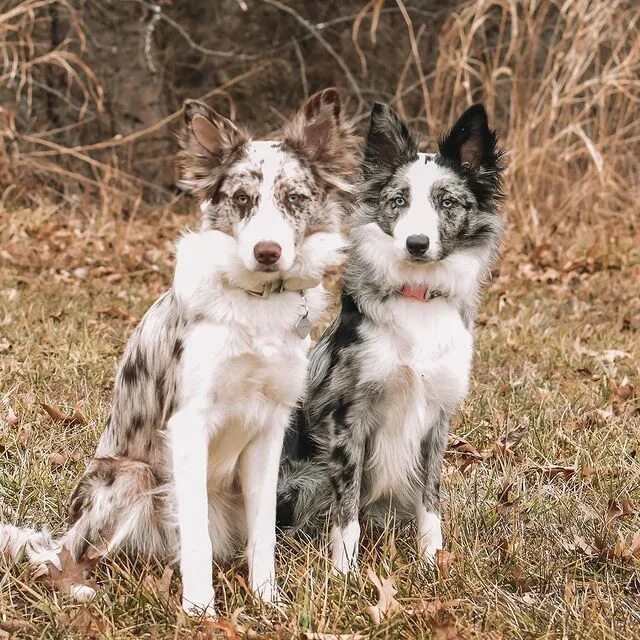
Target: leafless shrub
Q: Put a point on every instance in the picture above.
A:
(560, 79)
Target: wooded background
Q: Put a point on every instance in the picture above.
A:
(90, 89)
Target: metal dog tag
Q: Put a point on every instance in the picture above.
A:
(303, 326)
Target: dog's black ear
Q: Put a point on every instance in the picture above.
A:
(471, 144)
(320, 133)
(207, 140)
(390, 142)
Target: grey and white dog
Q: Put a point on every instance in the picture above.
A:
(386, 376)
(187, 465)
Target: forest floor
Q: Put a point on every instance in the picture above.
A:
(542, 477)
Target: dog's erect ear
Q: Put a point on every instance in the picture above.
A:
(472, 148)
(470, 144)
(321, 118)
(320, 133)
(209, 129)
(390, 142)
(207, 141)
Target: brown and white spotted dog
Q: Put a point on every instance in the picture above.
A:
(188, 460)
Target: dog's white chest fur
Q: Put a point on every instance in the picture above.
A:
(241, 372)
(420, 358)
(243, 360)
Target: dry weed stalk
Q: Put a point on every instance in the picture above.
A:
(24, 60)
(562, 82)
(560, 79)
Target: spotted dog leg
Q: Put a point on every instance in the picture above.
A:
(428, 523)
(345, 471)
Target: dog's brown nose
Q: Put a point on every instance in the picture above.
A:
(267, 253)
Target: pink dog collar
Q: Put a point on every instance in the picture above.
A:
(420, 292)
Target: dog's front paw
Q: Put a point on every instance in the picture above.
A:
(344, 567)
(344, 548)
(267, 591)
(198, 604)
(82, 592)
(429, 536)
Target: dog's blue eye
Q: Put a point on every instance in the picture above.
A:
(447, 203)
(399, 201)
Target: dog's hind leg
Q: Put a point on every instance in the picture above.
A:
(115, 505)
(429, 527)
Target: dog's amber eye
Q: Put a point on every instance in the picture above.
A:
(241, 198)
(293, 198)
(447, 203)
(399, 201)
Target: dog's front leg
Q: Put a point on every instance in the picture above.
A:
(429, 527)
(259, 464)
(345, 470)
(189, 450)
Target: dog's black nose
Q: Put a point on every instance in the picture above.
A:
(267, 253)
(417, 245)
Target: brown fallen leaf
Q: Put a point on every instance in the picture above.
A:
(507, 501)
(444, 562)
(71, 576)
(57, 415)
(623, 392)
(520, 580)
(507, 548)
(211, 627)
(581, 545)
(461, 446)
(387, 605)
(621, 550)
(441, 620)
(12, 419)
(24, 433)
(589, 474)
(506, 443)
(161, 586)
(619, 508)
(84, 622)
(14, 625)
(466, 454)
(58, 458)
(553, 470)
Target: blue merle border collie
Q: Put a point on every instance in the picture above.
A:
(386, 376)
(187, 465)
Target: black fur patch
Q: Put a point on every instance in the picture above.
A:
(136, 424)
(390, 143)
(178, 349)
(134, 368)
(347, 332)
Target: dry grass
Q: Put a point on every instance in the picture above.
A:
(543, 530)
(539, 551)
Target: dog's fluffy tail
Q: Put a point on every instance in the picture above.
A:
(17, 542)
(304, 495)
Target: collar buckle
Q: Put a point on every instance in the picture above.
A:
(275, 286)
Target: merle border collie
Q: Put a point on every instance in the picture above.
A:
(187, 465)
(386, 376)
